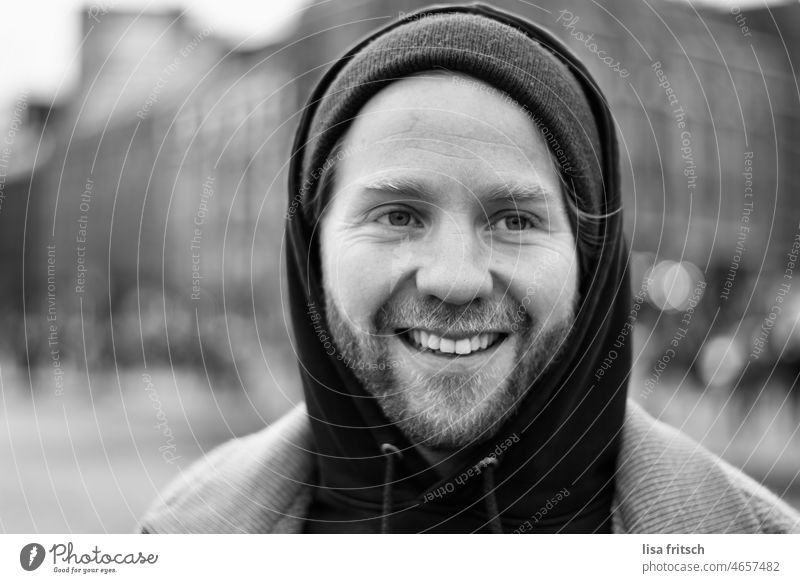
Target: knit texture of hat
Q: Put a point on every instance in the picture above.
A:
(485, 49)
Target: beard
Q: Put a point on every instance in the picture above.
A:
(448, 408)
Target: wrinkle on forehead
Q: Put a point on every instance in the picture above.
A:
(446, 125)
(415, 100)
(403, 135)
(469, 140)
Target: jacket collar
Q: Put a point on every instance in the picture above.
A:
(664, 483)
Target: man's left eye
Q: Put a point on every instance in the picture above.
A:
(513, 222)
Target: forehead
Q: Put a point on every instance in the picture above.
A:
(446, 128)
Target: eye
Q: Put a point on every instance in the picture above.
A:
(398, 218)
(513, 222)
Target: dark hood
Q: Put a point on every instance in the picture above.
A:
(556, 454)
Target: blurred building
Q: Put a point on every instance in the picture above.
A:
(161, 201)
(24, 149)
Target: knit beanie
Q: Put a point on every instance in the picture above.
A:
(497, 53)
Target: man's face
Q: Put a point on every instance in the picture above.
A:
(449, 265)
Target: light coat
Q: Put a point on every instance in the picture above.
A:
(665, 483)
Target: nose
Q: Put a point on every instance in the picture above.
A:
(454, 266)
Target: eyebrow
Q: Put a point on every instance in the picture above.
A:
(516, 193)
(407, 187)
(511, 192)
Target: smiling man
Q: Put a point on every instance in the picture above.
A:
(458, 275)
(442, 222)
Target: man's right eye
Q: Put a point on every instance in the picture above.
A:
(398, 218)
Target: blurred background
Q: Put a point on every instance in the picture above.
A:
(143, 151)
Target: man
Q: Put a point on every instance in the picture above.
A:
(458, 274)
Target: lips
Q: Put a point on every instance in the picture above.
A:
(462, 346)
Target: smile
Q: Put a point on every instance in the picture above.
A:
(448, 346)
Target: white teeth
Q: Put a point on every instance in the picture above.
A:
(461, 346)
(423, 338)
(447, 345)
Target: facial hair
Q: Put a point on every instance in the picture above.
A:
(448, 409)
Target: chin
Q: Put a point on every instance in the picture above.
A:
(446, 430)
(456, 404)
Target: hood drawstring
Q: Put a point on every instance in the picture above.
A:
(487, 465)
(391, 453)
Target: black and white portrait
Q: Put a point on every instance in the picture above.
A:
(383, 267)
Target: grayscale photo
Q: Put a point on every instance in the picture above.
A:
(361, 266)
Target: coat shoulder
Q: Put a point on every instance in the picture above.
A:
(667, 482)
(256, 483)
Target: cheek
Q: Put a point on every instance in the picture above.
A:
(356, 276)
(547, 288)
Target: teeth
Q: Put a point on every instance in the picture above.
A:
(462, 346)
(447, 345)
(423, 338)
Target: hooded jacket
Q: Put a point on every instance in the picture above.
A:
(557, 464)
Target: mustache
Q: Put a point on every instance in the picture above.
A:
(432, 314)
